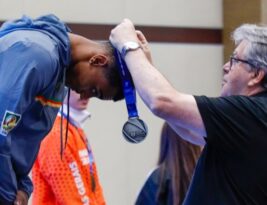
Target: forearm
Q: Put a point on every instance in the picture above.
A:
(149, 82)
(163, 100)
(157, 93)
(188, 135)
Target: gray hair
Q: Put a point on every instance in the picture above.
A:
(256, 50)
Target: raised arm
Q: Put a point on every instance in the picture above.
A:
(179, 109)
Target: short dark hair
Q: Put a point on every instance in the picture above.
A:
(112, 74)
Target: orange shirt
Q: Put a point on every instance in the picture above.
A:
(66, 181)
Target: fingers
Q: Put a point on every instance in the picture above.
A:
(122, 33)
(126, 26)
(141, 37)
(21, 198)
(144, 45)
(127, 21)
(142, 40)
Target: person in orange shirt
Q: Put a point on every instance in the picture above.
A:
(70, 179)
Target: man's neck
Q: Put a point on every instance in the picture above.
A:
(81, 47)
(254, 91)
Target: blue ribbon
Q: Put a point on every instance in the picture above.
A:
(128, 86)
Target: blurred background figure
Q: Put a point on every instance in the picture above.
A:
(168, 183)
(72, 180)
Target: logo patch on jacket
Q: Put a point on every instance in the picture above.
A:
(10, 121)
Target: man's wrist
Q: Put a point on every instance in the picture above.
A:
(129, 46)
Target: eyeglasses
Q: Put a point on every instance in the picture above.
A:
(234, 60)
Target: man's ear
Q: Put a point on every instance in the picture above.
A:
(257, 78)
(98, 60)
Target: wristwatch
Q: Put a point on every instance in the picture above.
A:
(129, 46)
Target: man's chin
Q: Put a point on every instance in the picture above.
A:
(223, 91)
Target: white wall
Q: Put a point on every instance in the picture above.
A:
(191, 68)
(204, 13)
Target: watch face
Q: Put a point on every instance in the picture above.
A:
(132, 45)
(129, 46)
